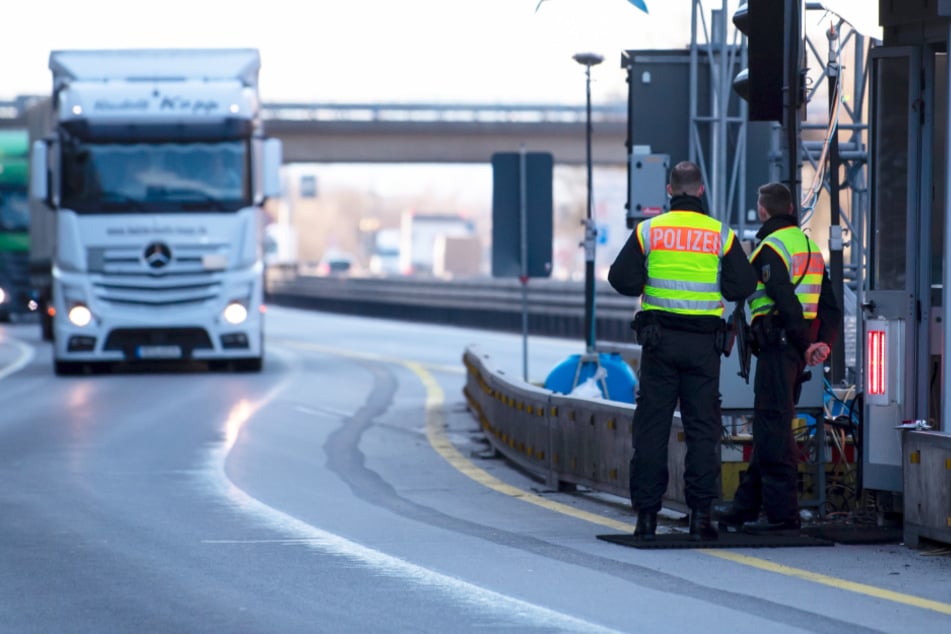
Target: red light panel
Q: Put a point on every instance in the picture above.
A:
(876, 362)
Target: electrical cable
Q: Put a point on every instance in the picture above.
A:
(811, 196)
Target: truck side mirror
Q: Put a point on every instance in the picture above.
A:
(39, 172)
(272, 158)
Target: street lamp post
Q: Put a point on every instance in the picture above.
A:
(592, 366)
(590, 230)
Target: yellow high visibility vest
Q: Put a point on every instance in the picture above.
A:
(683, 250)
(805, 265)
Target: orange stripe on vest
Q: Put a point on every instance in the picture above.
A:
(816, 265)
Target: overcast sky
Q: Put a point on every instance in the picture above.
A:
(487, 51)
(362, 50)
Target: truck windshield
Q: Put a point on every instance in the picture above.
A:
(138, 177)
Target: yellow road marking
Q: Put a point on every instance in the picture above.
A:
(841, 584)
(435, 433)
(435, 421)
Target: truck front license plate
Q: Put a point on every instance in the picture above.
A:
(160, 352)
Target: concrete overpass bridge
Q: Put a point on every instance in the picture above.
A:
(428, 132)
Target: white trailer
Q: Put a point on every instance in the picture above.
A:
(152, 173)
(419, 233)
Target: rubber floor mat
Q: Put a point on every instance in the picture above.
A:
(856, 534)
(727, 540)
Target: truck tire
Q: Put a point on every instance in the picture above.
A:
(251, 364)
(67, 368)
(46, 326)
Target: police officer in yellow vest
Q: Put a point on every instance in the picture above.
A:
(795, 320)
(682, 263)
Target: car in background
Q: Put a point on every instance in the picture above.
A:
(385, 259)
(335, 263)
(385, 262)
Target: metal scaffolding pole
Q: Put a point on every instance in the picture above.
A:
(715, 50)
(846, 175)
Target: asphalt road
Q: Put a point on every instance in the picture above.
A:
(346, 489)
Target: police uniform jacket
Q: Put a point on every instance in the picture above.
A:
(628, 275)
(774, 273)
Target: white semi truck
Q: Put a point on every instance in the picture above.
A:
(150, 178)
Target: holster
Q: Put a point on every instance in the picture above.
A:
(766, 334)
(647, 329)
(725, 338)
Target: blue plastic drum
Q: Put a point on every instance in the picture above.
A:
(620, 381)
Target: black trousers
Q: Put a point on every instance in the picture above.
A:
(682, 366)
(770, 483)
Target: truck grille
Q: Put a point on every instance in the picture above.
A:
(157, 291)
(122, 276)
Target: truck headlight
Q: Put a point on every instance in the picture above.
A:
(3, 296)
(235, 313)
(79, 315)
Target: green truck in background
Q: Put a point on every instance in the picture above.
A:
(15, 292)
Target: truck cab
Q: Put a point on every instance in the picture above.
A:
(154, 169)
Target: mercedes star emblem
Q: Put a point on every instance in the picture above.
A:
(158, 255)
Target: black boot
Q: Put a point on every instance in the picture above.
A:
(701, 526)
(646, 526)
(732, 516)
(789, 526)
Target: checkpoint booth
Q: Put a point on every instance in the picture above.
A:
(906, 444)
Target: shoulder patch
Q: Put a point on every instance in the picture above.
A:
(765, 273)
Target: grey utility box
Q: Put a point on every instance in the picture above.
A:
(647, 197)
(926, 466)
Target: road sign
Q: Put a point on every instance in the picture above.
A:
(522, 214)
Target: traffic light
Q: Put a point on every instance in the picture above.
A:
(761, 84)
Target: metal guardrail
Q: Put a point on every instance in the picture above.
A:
(554, 308)
(563, 439)
(570, 440)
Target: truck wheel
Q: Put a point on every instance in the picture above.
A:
(252, 364)
(46, 325)
(67, 368)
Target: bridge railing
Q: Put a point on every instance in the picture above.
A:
(15, 110)
(444, 112)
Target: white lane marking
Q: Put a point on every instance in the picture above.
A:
(370, 356)
(323, 411)
(462, 592)
(24, 356)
